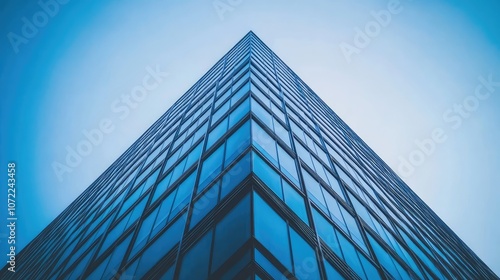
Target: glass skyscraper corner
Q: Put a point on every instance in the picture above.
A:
(249, 175)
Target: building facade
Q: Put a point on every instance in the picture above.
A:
(249, 175)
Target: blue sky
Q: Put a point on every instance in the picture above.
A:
(417, 73)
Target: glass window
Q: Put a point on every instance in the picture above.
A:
(345, 177)
(237, 142)
(351, 255)
(264, 142)
(163, 213)
(277, 111)
(304, 258)
(262, 114)
(146, 227)
(334, 210)
(162, 187)
(295, 201)
(136, 213)
(236, 267)
(353, 229)
(331, 272)
(314, 189)
(211, 167)
(258, 93)
(130, 200)
(183, 194)
(266, 221)
(239, 112)
(114, 234)
(205, 203)
(231, 232)
(282, 133)
(217, 132)
(270, 178)
(334, 184)
(117, 257)
(287, 165)
(195, 262)
(304, 154)
(172, 159)
(160, 247)
(222, 97)
(268, 266)
(98, 272)
(169, 274)
(387, 261)
(370, 270)
(193, 156)
(235, 175)
(237, 83)
(240, 93)
(220, 112)
(326, 231)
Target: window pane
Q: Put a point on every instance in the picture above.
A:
(282, 133)
(304, 258)
(146, 227)
(334, 184)
(264, 142)
(160, 247)
(136, 213)
(231, 232)
(217, 132)
(267, 266)
(239, 112)
(326, 231)
(117, 257)
(164, 211)
(237, 142)
(235, 175)
(194, 155)
(184, 192)
(370, 269)
(313, 187)
(258, 93)
(169, 275)
(195, 262)
(204, 204)
(387, 261)
(237, 267)
(267, 221)
(352, 226)
(351, 255)
(270, 178)
(242, 91)
(295, 201)
(304, 154)
(211, 167)
(262, 114)
(287, 165)
(333, 207)
(220, 112)
(331, 272)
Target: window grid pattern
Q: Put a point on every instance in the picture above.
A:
(252, 149)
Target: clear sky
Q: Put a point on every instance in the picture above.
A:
(417, 80)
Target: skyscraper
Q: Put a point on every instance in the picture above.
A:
(249, 175)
